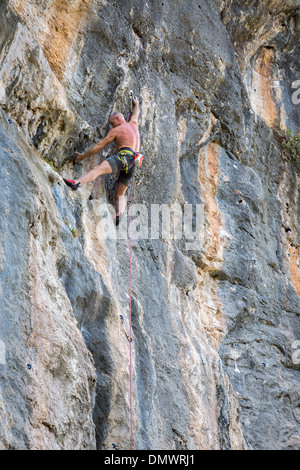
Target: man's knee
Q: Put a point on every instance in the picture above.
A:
(121, 189)
(103, 168)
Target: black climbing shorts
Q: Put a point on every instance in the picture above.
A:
(123, 162)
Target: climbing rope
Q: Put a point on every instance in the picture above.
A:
(130, 303)
(130, 329)
(139, 158)
(129, 336)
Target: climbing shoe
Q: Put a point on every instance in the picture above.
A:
(117, 219)
(72, 184)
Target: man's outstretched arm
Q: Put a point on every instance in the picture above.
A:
(97, 148)
(136, 112)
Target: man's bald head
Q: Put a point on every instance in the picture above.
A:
(116, 119)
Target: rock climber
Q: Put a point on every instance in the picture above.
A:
(127, 137)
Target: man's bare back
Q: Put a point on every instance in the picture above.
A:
(127, 135)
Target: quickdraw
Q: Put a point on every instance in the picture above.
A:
(131, 106)
(138, 157)
(124, 161)
(129, 338)
(138, 179)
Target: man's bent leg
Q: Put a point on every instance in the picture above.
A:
(120, 197)
(102, 169)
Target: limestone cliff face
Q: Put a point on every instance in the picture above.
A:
(214, 328)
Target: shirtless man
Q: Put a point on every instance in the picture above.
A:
(127, 137)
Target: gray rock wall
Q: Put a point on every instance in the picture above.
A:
(214, 327)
